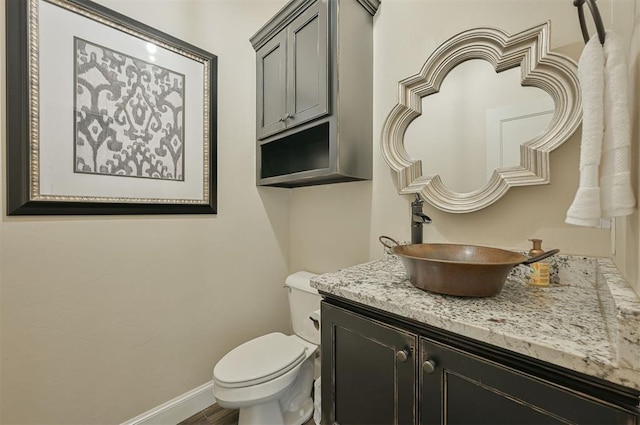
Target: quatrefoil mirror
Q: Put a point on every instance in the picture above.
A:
(549, 98)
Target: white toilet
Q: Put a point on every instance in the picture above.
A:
(270, 377)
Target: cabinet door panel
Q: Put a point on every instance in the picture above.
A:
(271, 86)
(359, 383)
(466, 389)
(484, 405)
(363, 379)
(307, 95)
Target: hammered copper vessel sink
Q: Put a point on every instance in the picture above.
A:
(461, 270)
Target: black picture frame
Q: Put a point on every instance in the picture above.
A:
(25, 114)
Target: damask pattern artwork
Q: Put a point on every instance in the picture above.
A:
(129, 115)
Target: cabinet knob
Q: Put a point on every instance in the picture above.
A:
(402, 355)
(287, 116)
(280, 119)
(429, 366)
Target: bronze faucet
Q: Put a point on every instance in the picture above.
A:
(418, 218)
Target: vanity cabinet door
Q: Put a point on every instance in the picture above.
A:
(460, 388)
(368, 370)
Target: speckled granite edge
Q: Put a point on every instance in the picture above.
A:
(587, 320)
(626, 311)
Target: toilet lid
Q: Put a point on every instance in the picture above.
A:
(259, 360)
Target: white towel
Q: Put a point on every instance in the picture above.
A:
(605, 179)
(585, 209)
(616, 195)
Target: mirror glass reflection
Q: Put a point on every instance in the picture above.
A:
(476, 124)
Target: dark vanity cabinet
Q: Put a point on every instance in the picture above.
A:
(314, 93)
(460, 388)
(371, 367)
(379, 369)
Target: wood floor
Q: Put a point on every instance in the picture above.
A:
(216, 415)
(213, 414)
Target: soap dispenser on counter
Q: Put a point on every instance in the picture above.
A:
(539, 271)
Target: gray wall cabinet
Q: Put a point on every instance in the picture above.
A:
(292, 74)
(379, 369)
(314, 93)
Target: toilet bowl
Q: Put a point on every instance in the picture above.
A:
(269, 378)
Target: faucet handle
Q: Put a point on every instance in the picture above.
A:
(416, 210)
(422, 218)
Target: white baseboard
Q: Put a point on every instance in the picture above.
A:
(178, 409)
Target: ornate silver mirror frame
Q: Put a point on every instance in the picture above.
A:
(554, 73)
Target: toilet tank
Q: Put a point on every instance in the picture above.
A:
(303, 301)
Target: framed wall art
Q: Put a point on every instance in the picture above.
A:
(106, 115)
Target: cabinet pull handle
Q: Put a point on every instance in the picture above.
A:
(402, 355)
(280, 119)
(287, 116)
(429, 366)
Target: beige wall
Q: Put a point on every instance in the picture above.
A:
(104, 318)
(627, 254)
(405, 33)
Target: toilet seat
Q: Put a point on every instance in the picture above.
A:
(259, 360)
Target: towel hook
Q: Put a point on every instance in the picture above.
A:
(597, 19)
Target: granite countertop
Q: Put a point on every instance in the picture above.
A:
(587, 320)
